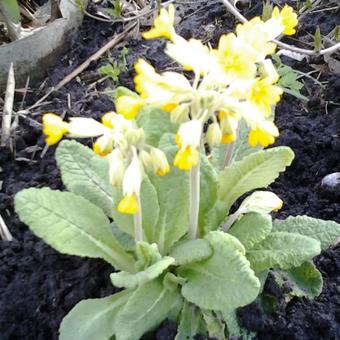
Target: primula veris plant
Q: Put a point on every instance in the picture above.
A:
(154, 198)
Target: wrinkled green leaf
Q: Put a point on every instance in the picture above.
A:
(86, 174)
(124, 239)
(147, 254)
(173, 197)
(214, 217)
(233, 327)
(251, 228)
(282, 250)
(304, 280)
(146, 308)
(155, 123)
(327, 232)
(93, 318)
(191, 323)
(129, 280)
(71, 224)
(254, 171)
(227, 273)
(189, 251)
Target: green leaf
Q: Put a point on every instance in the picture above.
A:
(86, 174)
(10, 9)
(251, 228)
(71, 224)
(254, 171)
(173, 198)
(129, 280)
(327, 232)
(227, 273)
(93, 318)
(124, 91)
(214, 217)
(189, 251)
(283, 250)
(191, 323)
(150, 211)
(214, 323)
(155, 123)
(147, 254)
(147, 307)
(304, 280)
(124, 239)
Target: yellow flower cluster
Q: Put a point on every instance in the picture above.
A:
(122, 143)
(232, 82)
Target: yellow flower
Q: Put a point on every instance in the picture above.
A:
(229, 124)
(128, 204)
(103, 145)
(287, 17)
(160, 163)
(186, 158)
(128, 106)
(255, 34)
(107, 119)
(169, 107)
(54, 128)
(264, 94)
(235, 57)
(132, 181)
(263, 134)
(192, 55)
(163, 25)
(228, 138)
(188, 139)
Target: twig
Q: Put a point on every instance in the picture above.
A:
(241, 18)
(4, 232)
(8, 107)
(117, 39)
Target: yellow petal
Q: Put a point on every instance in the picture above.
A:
(54, 128)
(129, 106)
(288, 19)
(186, 158)
(128, 204)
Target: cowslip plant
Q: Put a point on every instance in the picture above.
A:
(154, 198)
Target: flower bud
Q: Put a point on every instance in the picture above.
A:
(145, 158)
(103, 145)
(213, 135)
(116, 167)
(159, 161)
(180, 114)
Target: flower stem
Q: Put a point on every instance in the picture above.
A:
(228, 154)
(194, 200)
(137, 221)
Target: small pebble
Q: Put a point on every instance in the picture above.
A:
(330, 185)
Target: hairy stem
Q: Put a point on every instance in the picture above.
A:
(137, 221)
(228, 154)
(194, 200)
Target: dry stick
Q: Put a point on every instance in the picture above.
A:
(328, 50)
(117, 39)
(8, 107)
(4, 232)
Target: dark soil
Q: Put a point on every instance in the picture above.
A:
(39, 286)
